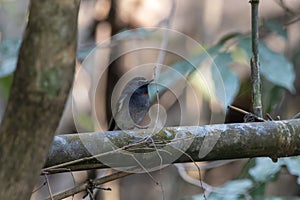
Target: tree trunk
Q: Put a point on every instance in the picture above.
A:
(40, 89)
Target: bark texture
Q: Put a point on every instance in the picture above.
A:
(272, 139)
(40, 89)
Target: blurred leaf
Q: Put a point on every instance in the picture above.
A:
(273, 66)
(9, 49)
(5, 85)
(258, 192)
(293, 166)
(199, 82)
(133, 34)
(83, 52)
(195, 197)
(179, 70)
(239, 56)
(277, 28)
(265, 170)
(283, 198)
(274, 97)
(85, 122)
(8, 66)
(232, 190)
(245, 171)
(227, 37)
(296, 56)
(225, 81)
(277, 69)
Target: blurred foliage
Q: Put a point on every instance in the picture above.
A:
(232, 48)
(8, 56)
(276, 69)
(277, 28)
(85, 122)
(230, 81)
(273, 66)
(5, 85)
(263, 172)
(8, 60)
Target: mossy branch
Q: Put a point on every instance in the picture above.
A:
(202, 143)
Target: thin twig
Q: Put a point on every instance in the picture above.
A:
(285, 7)
(209, 165)
(292, 21)
(186, 177)
(198, 169)
(144, 169)
(39, 187)
(255, 76)
(246, 113)
(162, 53)
(156, 149)
(289, 11)
(48, 185)
(164, 44)
(83, 187)
(269, 117)
(296, 116)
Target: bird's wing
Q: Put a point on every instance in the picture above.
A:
(112, 123)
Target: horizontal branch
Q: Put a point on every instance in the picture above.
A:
(118, 149)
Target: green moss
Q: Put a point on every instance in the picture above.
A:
(188, 133)
(121, 139)
(165, 134)
(50, 81)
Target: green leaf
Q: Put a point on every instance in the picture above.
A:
(179, 70)
(239, 56)
(277, 28)
(273, 66)
(85, 122)
(8, 66)
(258, 192)
(283, 198)
(265, 170)
(133, 34)
(276, 68)
(225, 81)
(293, 166)
(83, 52)
(9, 49)
(5, 85)
(124, 35)
(274, 97)
(232, 190)
(227, 37)
(195, 197)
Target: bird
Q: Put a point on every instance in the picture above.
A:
(132, 105)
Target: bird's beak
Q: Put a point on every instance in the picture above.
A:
(150, 81)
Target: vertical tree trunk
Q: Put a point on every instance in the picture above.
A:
(40, 88)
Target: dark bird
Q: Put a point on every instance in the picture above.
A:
(132, 106)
